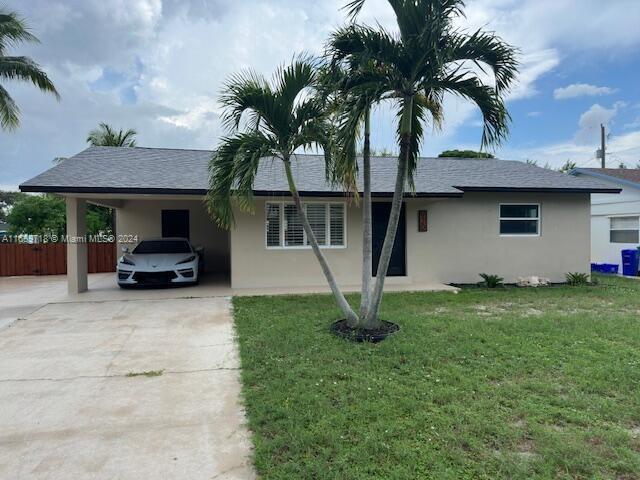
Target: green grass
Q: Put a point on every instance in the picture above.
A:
(500, 383)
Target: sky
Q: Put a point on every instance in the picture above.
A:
(158, 66)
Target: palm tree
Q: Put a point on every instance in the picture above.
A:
(13, 31)
(280, 117)
(107, 136)
(414, 69)
(343, 166)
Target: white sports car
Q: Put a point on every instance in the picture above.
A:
(162, 261)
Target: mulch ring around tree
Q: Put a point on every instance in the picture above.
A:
(342, 329)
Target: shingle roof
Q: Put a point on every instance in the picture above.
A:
(160, 170)
(629, 174)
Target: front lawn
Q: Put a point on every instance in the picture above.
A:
(505, 383)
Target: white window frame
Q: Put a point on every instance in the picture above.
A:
(538, 219)
(610, 217)
(281, 205)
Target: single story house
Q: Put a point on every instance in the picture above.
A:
(464, 217)
(615, 218)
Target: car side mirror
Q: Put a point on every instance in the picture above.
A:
(125, 249)
(198, 248)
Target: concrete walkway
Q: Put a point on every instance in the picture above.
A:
(21, 295)
(70, 407)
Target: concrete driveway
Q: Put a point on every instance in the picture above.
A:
(75, 403)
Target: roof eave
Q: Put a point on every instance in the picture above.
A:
(286, 193)
(604, 176)
(541, 189)
(181, 191)
(111, 190)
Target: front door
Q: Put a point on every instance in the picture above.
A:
(380, 212)
(175, 223)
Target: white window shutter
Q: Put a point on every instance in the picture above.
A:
(273, 225)
(336, 224)
(293, 231)
(317, 216)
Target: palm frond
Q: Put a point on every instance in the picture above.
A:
(23, 68)
(353, 8)
(294, 78)
(492, 106)
(344, 169)
(485, 48)
(13, 30)
(359, 44)
(9, 111)
(418, 115)
(245, 91)
(106, 136)
(126, 139)
(232, 170)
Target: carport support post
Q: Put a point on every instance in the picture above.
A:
(76, 245)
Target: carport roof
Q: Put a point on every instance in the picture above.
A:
(137, 170)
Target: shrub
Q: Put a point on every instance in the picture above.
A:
(576, 278)
(491, 281)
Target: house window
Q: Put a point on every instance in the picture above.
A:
(624, 229)
(519, 219)
(284, 225)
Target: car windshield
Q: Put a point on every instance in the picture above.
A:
(162, 246)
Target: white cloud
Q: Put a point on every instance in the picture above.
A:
(175, 54)
(590, 121)
(581, 90)
(582, 147)
(620, 149)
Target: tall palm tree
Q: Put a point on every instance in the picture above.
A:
(14, 31)
(269, 119)
(342, 166)
(414, 69)
(107, 136)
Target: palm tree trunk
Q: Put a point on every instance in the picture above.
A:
(344, 306)
(371, 321)
(367, 248)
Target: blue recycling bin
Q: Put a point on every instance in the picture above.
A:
(630, 262)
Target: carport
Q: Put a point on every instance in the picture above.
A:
(147, 216)
(155, 193)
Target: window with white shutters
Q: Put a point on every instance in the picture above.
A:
(284, 225)
(336, 224)
(273, 225)
(293, 231)
(317, 215)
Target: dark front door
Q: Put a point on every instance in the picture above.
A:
(397, 265)
(175, 223)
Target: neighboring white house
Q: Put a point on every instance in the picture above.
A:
(615, 218)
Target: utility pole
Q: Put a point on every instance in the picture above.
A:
(602, 144)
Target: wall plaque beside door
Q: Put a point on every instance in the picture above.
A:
(422, 221)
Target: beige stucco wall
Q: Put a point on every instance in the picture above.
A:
(253, 265)
(143, 218)
(463, 240)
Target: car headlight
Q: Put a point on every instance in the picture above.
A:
(187, 260)
(127, 261)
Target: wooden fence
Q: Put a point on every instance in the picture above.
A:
(51, 258)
